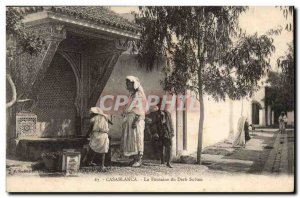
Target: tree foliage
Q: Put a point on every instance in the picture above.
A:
(28, 42)
(288, 13)
(233, 62)
(281, 93)
(19, 40)
(206, 50)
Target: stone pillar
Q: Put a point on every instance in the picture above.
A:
(273, 121)
(250, 113)
(262, 118)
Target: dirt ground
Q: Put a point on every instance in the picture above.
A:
(220, 158)
(266, 159)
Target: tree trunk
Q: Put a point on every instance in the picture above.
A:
(14, 91)
(201, 35)
(200, 130)
(201, 119)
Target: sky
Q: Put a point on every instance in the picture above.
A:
(255, 19)
(262, 19)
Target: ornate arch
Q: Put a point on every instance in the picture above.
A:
(76, 72)
(258, 103)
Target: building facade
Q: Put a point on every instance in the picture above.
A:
(66, 78)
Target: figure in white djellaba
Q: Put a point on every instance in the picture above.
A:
(282, 120)
(132, 141)
(242, 134)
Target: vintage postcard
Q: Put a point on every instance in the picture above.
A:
(150, 99)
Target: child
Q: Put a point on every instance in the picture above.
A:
(162, 133)
(98, 132)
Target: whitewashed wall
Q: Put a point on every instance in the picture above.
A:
(128, 65)
(290, 118)
(220, 117)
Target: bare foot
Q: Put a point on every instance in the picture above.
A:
(169, 165)
(137, 164)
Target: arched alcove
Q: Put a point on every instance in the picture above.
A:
(56, 96)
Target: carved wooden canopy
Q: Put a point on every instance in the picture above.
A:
(57, 28)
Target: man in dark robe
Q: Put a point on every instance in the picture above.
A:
(246, 129)
(161, 128)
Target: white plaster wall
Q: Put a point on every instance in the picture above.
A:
(259, 96)
(217, 122)
(128, 65)
(290, 118)
(241, 108)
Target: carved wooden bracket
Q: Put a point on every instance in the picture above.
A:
(122, 44)
(53, 34)
(115, 49)
(102, 80)
(50, 31)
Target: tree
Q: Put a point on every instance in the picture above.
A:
(206, 50)
(20, 40)
(287, 64)
(288, 13)
(281, 94)
(275, 93)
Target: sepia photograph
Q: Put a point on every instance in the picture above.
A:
(150, 99)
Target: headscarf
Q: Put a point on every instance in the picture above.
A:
(140, 93)
(136, 84)
(97, 110)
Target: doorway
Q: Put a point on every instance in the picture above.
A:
(255, 112)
